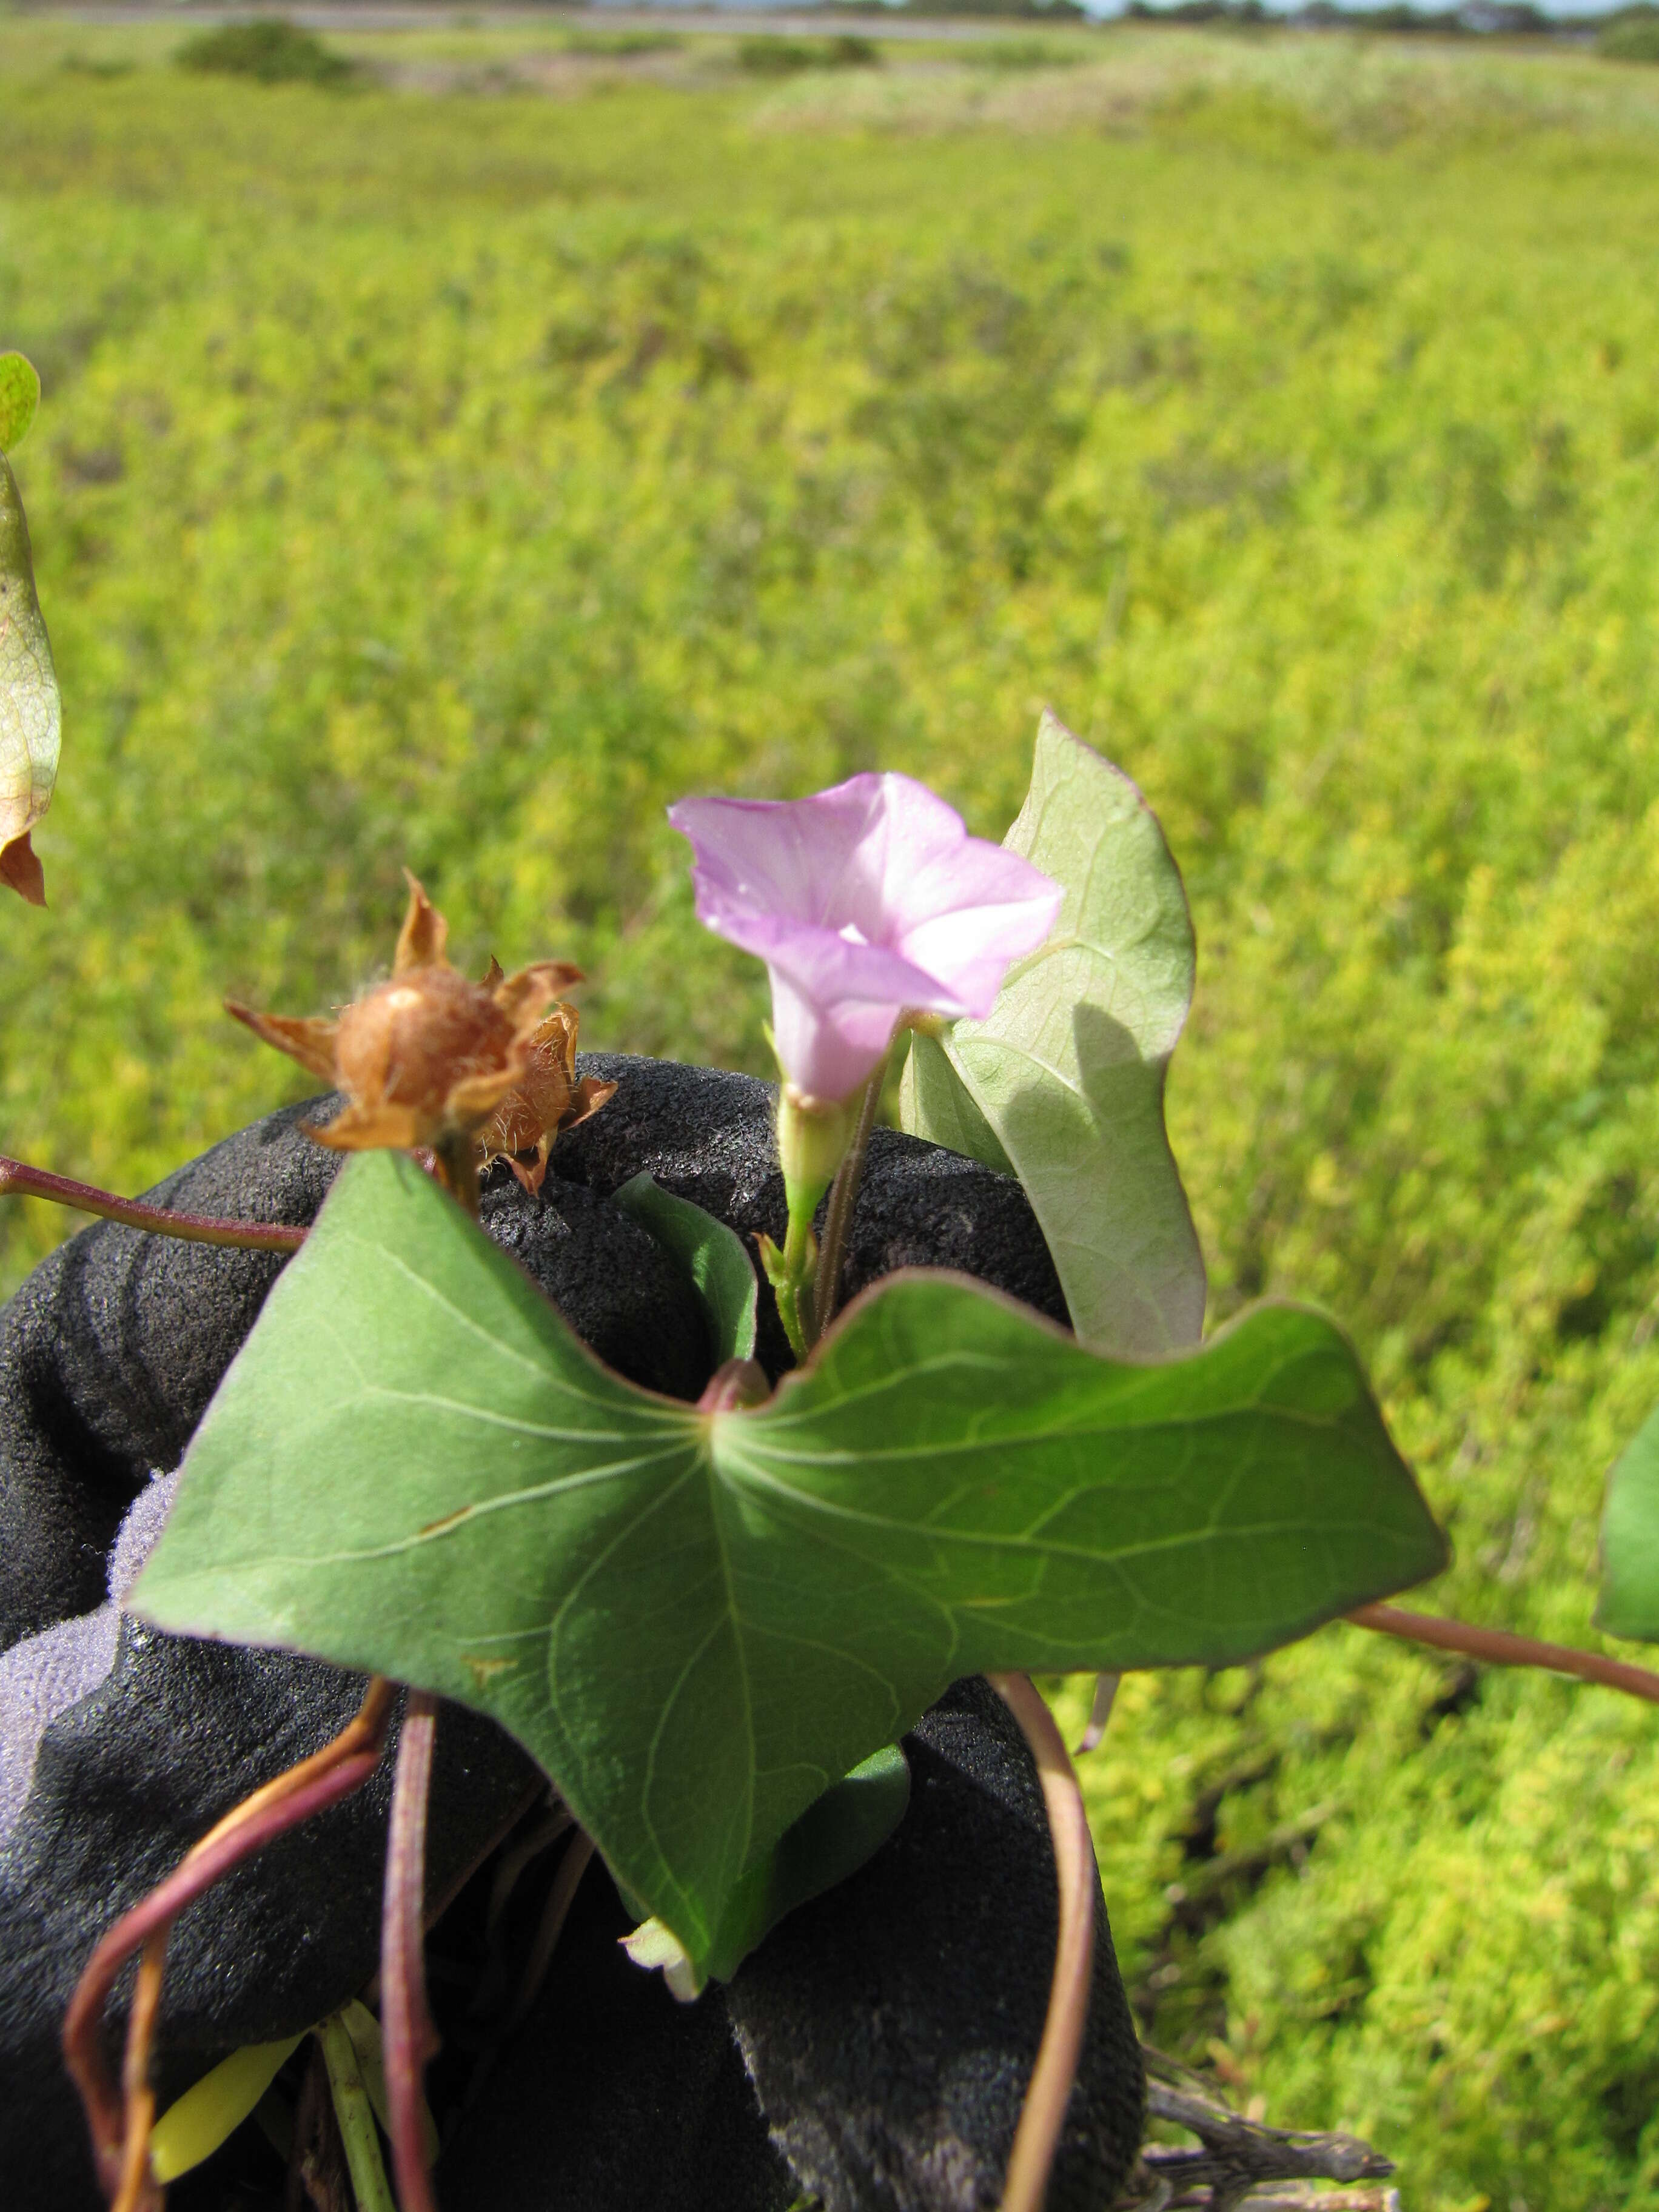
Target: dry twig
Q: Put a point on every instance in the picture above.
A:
(1237, 2160)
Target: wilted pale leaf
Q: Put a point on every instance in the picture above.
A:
(1630, 1540)
(28, 702)
(1064, 1080)
(711, 1256)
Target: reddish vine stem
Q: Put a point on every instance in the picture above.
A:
(406, 2029)
(1497, 1647)
(407, 2035)
(1049, 2090)
(514, 1861)
(560, 1899)
(193, 1228)
(139, 2192)
(121, 2126)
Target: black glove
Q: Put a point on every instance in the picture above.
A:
(890, 2028)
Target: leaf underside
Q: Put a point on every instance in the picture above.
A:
(1063, 1083)
(709, 1255)
(1630, 1540)
(832, 1838)
(698, 1623)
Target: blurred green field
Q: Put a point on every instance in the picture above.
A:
(454, 469)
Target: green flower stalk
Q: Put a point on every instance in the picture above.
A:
(812, 1141)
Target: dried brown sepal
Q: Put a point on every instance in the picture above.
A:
(427, 1058)
(20, 869)
(524, 996)
(309, 1040)
(421, 939)
(368, 1129)
(585, 1100)
(546, 1099)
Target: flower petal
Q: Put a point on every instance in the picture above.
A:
(823, 965)
(828, 1051)
(967, 922)
(799, 858)
(862, 900)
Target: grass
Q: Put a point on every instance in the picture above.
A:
(456, 479)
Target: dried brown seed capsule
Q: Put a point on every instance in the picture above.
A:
(428, 1059)
(546, 1099)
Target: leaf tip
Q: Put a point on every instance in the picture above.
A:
(20, 869)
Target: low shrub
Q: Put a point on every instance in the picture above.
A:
(274, 51)
(1022, 54)
(767, 56)
(1632, 38)
(86, 65)
(622, 45)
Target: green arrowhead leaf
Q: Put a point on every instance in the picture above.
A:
(709, 1254)
(1630, 1540)
(20, 395)
(29, 714)
(697, 1622)
(936, 1103)
(1064, 1081)
(833, 1838)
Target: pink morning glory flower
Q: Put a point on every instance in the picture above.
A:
(862, 900)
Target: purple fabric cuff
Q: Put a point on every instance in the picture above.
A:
(44, 1674)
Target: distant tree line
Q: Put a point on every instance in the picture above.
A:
(1475, 19)
(1627, 33)
(1046, 11)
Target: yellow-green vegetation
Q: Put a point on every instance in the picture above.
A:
(454, 479)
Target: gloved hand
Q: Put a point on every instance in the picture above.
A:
(889, 2027)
